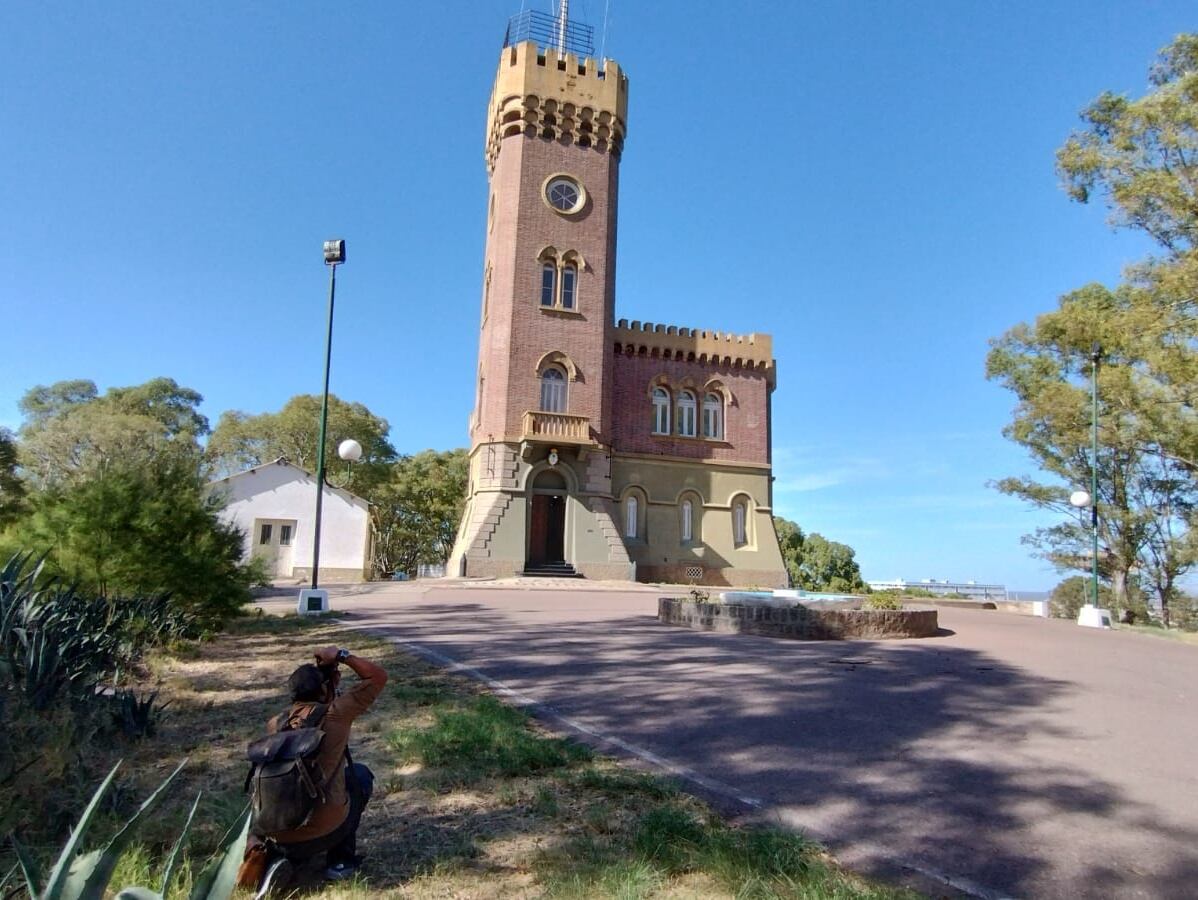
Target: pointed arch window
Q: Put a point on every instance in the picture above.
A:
(553, 390)
(661, 411)
(686, 414)
(569, 285)
(548, 284)
(560, 270)
(713, 417)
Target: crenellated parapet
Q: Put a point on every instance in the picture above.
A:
(559, 96)
(745, 351)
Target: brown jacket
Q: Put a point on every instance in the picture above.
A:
(338, 720)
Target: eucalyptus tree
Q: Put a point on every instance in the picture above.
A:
(1140, 157)
(242, 440)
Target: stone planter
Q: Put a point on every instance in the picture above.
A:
(798, 622)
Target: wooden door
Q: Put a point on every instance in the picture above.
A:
(538, 531)
(555, 530)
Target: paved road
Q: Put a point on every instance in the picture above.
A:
(1012, 757)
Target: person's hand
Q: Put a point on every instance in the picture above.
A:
(326, 656)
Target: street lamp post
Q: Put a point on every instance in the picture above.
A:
(1090, 614)
(314, 600)
(1095, 355)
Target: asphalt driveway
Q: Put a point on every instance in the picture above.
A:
(1011, 757)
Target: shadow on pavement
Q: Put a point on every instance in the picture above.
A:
(930, 752)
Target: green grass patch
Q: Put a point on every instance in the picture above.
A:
(674, 839)
(422, 692)
(625, 784)
(484, 738)
(259, 622)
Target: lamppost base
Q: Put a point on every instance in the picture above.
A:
(313, 602)
(1093, 617)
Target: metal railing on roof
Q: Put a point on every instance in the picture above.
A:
(546, 31)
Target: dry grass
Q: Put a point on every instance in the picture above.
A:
(1171, 634)
(472, 800)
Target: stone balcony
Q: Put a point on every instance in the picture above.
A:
(557, 428)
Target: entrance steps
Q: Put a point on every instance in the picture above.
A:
(551, 570)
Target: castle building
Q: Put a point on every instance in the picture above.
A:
(613, 449)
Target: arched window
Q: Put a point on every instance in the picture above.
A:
(553, 390)
(559, 278)
(661, 411)
(739, 523)
(548, 284)
(686, 414)
(713, 417)
(486, 292)
(630, 516)
(569, 283)
(688, 522)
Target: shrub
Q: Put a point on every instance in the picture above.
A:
(1068, 597)
(76, 876)
(55, 641)
(141, 531)
(883, 600)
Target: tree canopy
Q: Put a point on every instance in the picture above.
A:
(71, 431)
(1141, 157)
(12, 489)
(241, 441)
(417, 510)
(815, 563)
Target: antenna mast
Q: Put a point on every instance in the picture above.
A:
(563, 16)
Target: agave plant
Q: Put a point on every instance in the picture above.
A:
(86, 876)
(136, 716)
(54, 638)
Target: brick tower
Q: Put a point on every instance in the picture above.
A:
(570, 470)
(542, 417)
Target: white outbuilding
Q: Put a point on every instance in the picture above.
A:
(274, 505)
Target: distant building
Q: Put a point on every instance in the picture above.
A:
(274, 505)
(970, 589)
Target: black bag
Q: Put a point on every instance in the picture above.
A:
(285, 782)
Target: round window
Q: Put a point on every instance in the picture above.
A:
(564, 194)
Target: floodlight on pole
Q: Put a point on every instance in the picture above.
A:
(334, 255)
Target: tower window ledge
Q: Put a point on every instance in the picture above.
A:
(690, 439)
(558, 311)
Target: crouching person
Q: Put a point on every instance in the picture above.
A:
(306, 791)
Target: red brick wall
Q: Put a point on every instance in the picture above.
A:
(517, 333)
(746, 432)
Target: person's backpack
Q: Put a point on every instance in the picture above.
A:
(285, 783)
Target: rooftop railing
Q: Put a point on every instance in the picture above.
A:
(546, 31)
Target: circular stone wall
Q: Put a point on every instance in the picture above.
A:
(798, 622)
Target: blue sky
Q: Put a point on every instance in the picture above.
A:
(872, 183)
